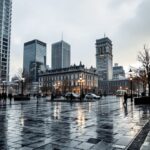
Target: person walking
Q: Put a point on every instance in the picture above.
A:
(4, 97)
(0, 97)
(125, 98)
(52, 96)
(71, 97)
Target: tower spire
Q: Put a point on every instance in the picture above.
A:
(104, 35)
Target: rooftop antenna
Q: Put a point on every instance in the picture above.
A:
(104, 35)
(62, 36)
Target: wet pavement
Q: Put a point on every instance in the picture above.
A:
(146, 144)
(99, 125)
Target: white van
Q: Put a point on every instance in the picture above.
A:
(121, 92)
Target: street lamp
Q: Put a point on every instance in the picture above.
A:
(22, 80)
(131, 84)
(4, 86)
(81, 86)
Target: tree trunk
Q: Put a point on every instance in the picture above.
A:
(149, 89)
(149, 84)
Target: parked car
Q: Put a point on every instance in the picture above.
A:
(92, 96)
(74, 95)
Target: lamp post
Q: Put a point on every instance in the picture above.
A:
(131, 84)
(4, 90)
(81, 86)
(22, 80)
(59, 88)
(3, 87)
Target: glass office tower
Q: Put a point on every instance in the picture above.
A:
(60, 55)
(5, 33)
(34, 59)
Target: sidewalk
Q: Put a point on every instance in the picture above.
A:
(146, 144)
(100, 125)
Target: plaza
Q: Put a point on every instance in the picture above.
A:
(99, 125)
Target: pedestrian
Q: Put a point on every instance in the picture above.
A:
(10, 97)
(105, 94)
(4, 97)
(71, 97)
(125, 98)
(52, 96)
(0, 96)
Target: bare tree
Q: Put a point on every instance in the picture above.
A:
(27, 79)
(144, 58)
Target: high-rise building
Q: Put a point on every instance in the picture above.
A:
(104, 58)
(60, 55)
(118, 72)
(5, 33)
(34, 59)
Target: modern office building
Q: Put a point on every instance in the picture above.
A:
(5, 34)
(74, 78)
(118, 72)
(104, 58)
(34, 59)
(60, 55)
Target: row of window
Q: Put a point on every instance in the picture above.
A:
(120, 83)
(70, 83)
(68, 77)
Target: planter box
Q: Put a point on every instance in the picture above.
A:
(21, 98)
(142, 100)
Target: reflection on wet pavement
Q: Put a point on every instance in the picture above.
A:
(99, 125)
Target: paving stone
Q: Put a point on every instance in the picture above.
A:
(85, 146)
(99, 125)
(93, 141)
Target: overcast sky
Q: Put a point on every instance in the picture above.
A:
(125, 22)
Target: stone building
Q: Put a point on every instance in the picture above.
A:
(118, 72)
(74, 79)
(104, 58)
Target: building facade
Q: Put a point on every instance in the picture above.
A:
(34, 59)
(72, 79)
(118, 72)
(5, 34)
(104, 58)
(60, 55)
(110, 87)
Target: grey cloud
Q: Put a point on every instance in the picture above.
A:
(81, 21)
(133, 34)
(118, 3)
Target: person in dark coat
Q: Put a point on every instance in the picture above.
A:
(0, 97)
(4, 95)
(52, 96)
(71, 97)
(125, 98)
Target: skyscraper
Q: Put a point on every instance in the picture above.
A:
(5, 33)
(34, 59)
(60, 55)
(104, 58)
